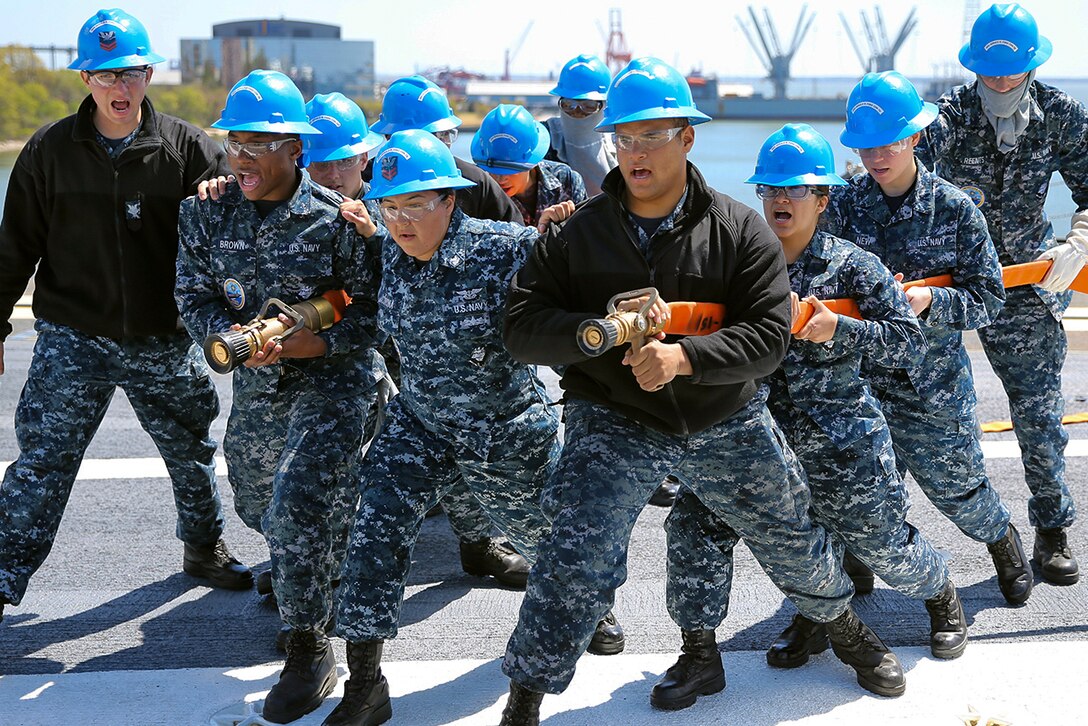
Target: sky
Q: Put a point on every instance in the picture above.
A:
(412, 35)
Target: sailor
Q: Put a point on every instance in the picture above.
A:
(510, 146)
(296, 424)
(581, 89)
(467, 411)
(690, 406)
(1000, 138)
(823, 405)
(920, 226)
(92, 206)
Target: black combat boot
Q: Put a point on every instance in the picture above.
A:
(947, 626)
(522, 708)
(1014, 575)
(858, 646)
(264, 584)
(366, 694)
(495, 557)
(859, 573)
(308, 676)
(697, 672)
(665, 494)
(802, 638)
(216, 564)
(1055, 559)
(608, 637)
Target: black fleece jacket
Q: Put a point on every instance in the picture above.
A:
(719, 251)
(101, 233)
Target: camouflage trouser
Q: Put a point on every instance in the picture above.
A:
(1026, 347)
(292, 456)
(743, 482)
(859, 496)
(406, 471)
(944, 454)
(68, 388)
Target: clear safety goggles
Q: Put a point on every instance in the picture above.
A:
(338, 165)
(447, 137)
(254, 149)
(411, 212)
(580, 107)
(894, 149)
(649, 141)
(128, 76)
(766, 191)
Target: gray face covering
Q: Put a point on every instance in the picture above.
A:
(1009, 112)
(588, 152)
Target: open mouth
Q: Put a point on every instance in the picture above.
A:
(120, 106)
(248, 181)
(639, 173)
(781, 215)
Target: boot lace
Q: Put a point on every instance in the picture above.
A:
(1004, 554)
(301, 648)
(1057, 541)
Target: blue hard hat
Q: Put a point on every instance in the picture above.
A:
(414, 102)
(509, 141)
(113, 39)
(584, 77)
(647, 89)
(265, 101)
(795, 155)
(414, 161)
(1005, 41)
(343, 127)
(882, 109)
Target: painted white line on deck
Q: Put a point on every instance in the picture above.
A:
(1009, 681)
(154, 468)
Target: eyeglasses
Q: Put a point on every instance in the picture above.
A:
(1014, 79)
(447, 137)
(648, 141)
(580, 107)
(411, 212)
(254, 149)
(766, 191)
(340, 165)
(893, 149)
(129, 76)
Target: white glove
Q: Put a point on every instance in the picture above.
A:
(1069, 257)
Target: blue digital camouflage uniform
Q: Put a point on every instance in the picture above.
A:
(69, 385)
(930, 407)
(1026, 344)
(295, 429)
(741, 480)
(834, 425)
(465, 409)
(556, 183)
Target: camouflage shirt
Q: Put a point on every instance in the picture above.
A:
(230, 262)
(937, 231)
(823, 380)
(556, 182)
(447, 318)
(1011, 188)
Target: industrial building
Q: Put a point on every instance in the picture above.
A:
(312, 54)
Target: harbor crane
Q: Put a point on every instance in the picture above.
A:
(769, 50)
(510, 53)
(882, 51)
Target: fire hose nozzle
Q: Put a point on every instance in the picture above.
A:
(597, 335)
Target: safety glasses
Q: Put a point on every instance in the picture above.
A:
(766, 191)
(339, 165)
(893, 149)
(410, 212)
(580, 108)
(128, 76)
(648, 141)
(254, 149)
(446, 137)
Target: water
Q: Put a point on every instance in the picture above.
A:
(725, 153)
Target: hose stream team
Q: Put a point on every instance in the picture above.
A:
(144, 238)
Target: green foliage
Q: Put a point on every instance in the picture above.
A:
(32, 95)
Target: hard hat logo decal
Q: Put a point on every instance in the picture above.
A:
(791, 144)
(390, 162)
(331, 119)
(581, 64)
(110, 21)
(236, 296)
(423, 95)
(512, 139)
(634, 72)
(251, 89)
(867, 104)
(107, 40)
(1007, 43)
